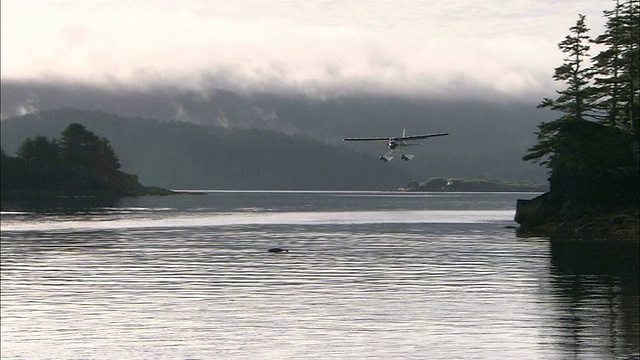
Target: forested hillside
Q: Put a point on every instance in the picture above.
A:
(487, 137)
(179, 155)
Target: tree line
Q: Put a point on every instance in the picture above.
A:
(182, 155)
(80, 163)
(591, 150)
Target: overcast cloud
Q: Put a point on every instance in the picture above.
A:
(431, 47)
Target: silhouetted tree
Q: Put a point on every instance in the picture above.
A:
(80, 163)
(590, 162)
(40, 156)
(576, 100)
(78, 146)
(12, 172)
(573, 101)
(616, 68)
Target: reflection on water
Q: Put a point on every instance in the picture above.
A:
(368, 275)
(60, 205)
(597, 288)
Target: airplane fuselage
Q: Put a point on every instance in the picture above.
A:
(395, 144)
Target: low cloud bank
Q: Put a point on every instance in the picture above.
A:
(486, 49)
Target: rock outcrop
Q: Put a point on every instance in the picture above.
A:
(545, 215)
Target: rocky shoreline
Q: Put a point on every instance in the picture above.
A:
(547, 217)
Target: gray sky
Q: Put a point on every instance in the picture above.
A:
(443, 48)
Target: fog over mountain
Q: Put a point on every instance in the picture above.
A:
(438, 49)
(322, 69)
(487, 138)
(180, 155)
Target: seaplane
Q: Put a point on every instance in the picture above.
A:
(396, 144)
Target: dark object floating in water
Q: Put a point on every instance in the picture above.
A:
(278, 250)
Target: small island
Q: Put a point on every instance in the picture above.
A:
(473, 185)
(79, 165)
(592, 149)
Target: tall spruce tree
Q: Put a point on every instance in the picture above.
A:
(575, 102)
(90, 158)
(592, 162)
(617, 67)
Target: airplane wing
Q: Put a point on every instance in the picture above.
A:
(367, 139)
(417, 137)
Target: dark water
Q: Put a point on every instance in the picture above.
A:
(368, 276)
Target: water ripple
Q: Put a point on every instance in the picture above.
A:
(352, 286)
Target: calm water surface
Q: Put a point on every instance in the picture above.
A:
(368, 276)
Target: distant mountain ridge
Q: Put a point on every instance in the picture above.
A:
(179, 155)
(487, 138)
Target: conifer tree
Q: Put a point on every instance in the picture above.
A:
(617, 67)
(77, 146)
(592, 162)
(576, 101)
(90, 158)
(40, 157)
